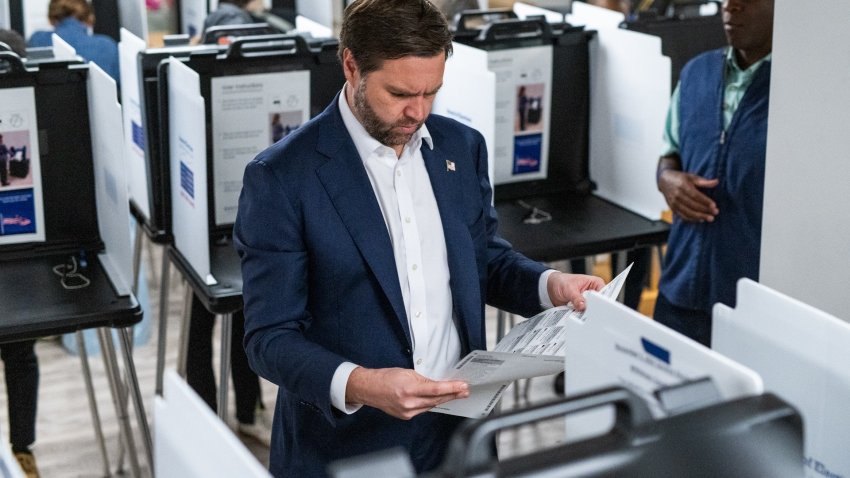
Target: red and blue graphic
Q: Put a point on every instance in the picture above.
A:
(17, 212)
(527, 153)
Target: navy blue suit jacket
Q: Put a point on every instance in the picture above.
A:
(321, 286)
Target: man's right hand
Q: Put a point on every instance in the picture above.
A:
(400, 392)
(682, 192)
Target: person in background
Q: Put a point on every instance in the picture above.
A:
(712, 171)
(369, 248)
(233, 12)
(19, 360)
(72, 20)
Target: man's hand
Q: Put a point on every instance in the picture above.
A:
(400, 392)
(565, 288)
(682, 192)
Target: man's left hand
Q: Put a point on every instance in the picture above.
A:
(568, 288)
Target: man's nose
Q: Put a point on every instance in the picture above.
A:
(417, 108)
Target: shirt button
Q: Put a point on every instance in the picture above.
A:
(407, 219)
(415, 267)
(398, 173)
(419, 362)
(419, 314)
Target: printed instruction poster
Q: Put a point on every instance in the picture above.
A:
(523, 102)
(249, 114)
(21, 203)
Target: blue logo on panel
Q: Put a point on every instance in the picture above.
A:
(655, 350)
(187, 180)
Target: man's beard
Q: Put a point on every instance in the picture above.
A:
(377, 128)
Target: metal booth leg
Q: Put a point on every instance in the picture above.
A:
(226, 339)
(118, 396)
(184, 330)
(163, 320)
(95, 416)
(135, 392)
(137, 256)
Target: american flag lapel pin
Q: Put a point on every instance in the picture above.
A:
(450, 165)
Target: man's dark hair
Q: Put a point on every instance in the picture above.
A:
(378, 30)
(14, 41)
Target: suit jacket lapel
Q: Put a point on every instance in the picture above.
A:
(348, 187)
(466, 297)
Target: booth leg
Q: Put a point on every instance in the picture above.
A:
(95, 416)
(184, 331)
(136, 394)
(118, 397)
(226, 344)
(163, 320)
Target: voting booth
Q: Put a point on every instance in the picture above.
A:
(684, 34)
(223, 108)
(524, 85)
(633, 66)
(802, 354)
(64, 231)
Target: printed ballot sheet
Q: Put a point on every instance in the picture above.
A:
(532, 348)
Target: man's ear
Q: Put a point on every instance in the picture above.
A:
(349, 67)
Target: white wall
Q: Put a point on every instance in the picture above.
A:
(806, 230)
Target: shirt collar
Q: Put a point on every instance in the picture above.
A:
(732, 62)
(366, 144)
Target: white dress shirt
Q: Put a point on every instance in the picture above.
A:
(403, 190)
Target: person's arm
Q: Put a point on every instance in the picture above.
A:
(681, 190)
(558, 288)
(268, 236)
(400, 392)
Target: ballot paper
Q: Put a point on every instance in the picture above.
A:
(533, 348)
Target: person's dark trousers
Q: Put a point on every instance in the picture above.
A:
(633, 288)
(695, 324)
(199, 369)
(21, 366)
(4, 178)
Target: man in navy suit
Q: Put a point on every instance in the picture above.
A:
(369, 246)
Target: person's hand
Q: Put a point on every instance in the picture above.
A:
(400, 392)
(682, 192)
(568, 288)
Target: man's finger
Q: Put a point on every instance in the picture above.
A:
(439, 388)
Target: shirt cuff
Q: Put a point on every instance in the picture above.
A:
(338, 384)
(543, 289)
